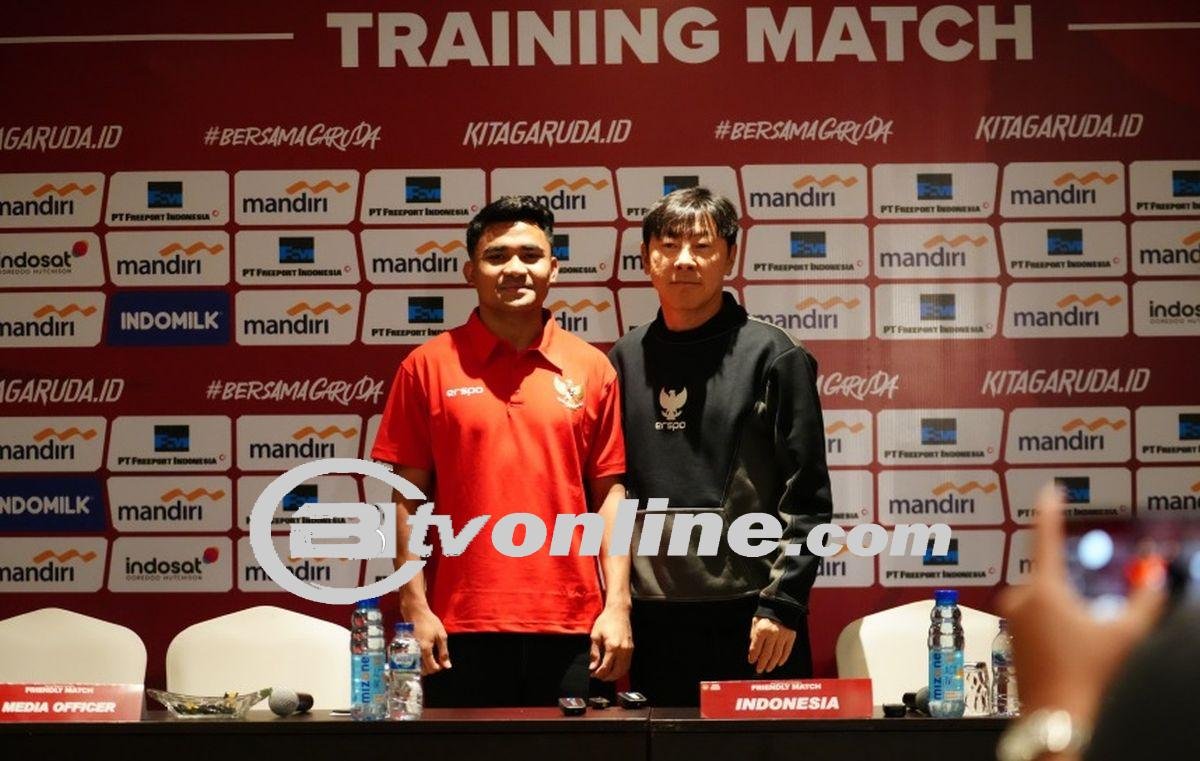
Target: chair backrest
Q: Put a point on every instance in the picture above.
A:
(261, 647)
(56, 645)
(890, 647)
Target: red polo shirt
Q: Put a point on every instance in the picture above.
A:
(507, 431)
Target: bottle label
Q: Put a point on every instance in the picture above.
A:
(945, 675)
(406, 662)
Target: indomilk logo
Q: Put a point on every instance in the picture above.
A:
(564, 201)
(172, 438)
(164, 195)
(673, 182)
(307, 443)
(155, 568)
(947, 498)
(949, 558)
(169, 318)
(297, 250)
(935, 187)
(422, 189)
(809, 193)
(48, 200)
(1064, 242)
(426, 309)
(1185, 183)
(47, 566)
(938, 306)
(299, 198)
(560, 247)
(939, 431)
(1076, 490)
(48, 445)
(1069, 188)
(808, 244)
(1068, 312)
(1077, 436)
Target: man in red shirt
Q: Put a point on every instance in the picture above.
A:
(509, 413)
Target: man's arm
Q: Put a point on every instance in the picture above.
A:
(612, 636)
(414, 606)
(794, 413)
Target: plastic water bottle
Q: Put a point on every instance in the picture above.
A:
(946, 699)
(1004, 676)
(368, 700)
(406, 698)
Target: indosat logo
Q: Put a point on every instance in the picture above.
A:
(358, 530)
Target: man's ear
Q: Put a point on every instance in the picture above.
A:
(553, 269)
(730, 265)
(645, 258)
(468, 271)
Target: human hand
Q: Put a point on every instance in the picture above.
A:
(612, 644)
(1065, 658)
(431, 636)
(770, 644)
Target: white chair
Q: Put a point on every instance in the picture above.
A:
(891, 647)
(56, 645)
(261, 647)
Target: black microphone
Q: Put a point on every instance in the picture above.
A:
(285, 701)
(918, 701)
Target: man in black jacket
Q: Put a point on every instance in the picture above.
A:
(721, 418)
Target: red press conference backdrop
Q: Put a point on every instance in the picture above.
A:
(222, 225)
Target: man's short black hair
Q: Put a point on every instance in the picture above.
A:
(509, 209)
(678, 212)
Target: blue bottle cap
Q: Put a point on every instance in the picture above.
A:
(403, 626)
(945, 597)
(370, 602)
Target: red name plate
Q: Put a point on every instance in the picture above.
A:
(787, 699)
(70, 702)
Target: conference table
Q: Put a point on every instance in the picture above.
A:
(510, 734)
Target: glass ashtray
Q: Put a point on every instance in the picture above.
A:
(230, 706)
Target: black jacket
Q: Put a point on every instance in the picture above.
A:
(724, 419)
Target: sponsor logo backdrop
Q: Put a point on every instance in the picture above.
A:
(987, 231)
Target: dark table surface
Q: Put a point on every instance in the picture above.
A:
(519, 734)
